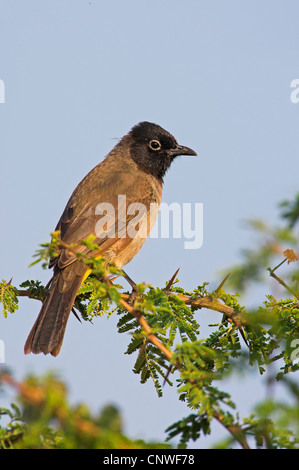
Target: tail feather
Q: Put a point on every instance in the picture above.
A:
(48, 330)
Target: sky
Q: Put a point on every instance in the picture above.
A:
(78, 75)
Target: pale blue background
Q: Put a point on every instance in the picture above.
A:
(79, 74)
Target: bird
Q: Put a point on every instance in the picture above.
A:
(135, 170)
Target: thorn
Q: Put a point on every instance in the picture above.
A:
(167, 288)
(9, 282)
(167, 374)
(222, 283)
(240, 328)
(48, 285)
(130, 281)
(75, 313)
(243, 336)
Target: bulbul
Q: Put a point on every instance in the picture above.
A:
(131, 175)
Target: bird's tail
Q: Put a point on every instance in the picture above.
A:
(48, 330)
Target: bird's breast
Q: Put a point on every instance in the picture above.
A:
(138, 227)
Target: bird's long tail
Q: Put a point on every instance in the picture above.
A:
(48, 330)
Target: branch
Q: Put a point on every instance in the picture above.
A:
(290, 257)
(201, 302)
(208, 302)
(234, 429)
(151, 338)
(281, 282)
(27, 293)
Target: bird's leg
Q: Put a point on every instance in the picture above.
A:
(133, 285)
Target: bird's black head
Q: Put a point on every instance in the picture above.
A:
(153, 148)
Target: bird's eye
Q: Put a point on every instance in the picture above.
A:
(154, 145)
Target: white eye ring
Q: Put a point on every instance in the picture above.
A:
(154, 145)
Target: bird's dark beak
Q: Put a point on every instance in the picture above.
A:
(181, 150)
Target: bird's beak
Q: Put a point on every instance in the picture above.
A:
(181, 150)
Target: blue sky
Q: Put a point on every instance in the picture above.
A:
(80, 74)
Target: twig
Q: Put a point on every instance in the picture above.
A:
(213, 304)
(281, 281)
(27, 293)
(147, 329)
(234, 429)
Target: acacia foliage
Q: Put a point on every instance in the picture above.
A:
(164, 326)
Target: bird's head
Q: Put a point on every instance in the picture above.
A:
(153, 148)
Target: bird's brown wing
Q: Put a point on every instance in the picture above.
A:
(79, 220)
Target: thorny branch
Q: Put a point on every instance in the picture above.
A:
(200, 302)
